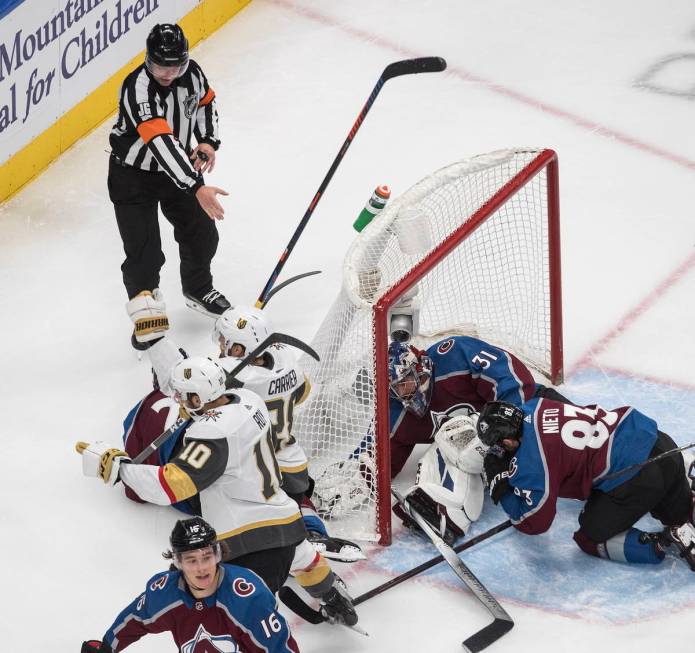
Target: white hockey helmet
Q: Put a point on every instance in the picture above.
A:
(197, 376)
(242, 325)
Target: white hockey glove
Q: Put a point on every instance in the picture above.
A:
(101, 460)
(458, 441)
(148, 313)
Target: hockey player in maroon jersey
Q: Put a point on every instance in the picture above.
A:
(547, 449)
(434, 397)
(204, 604)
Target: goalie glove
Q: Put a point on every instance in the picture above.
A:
(458, 441)
(101, 460)
(148, 313)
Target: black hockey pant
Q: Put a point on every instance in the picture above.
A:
(272, 565)
(660, 488)
(136, 195)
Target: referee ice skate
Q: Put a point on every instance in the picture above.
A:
(166, 105)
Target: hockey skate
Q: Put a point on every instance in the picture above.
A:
(335, 548)
(336, 605)
(682, 540)
(212, 303)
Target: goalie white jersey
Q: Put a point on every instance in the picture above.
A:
(228, 457)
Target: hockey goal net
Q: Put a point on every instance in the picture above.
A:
(472, 249)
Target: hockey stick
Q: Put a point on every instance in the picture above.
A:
(502, 621)
(287, 282)
(649, 461)
(396, 69)
(293, 601)
(272, 339)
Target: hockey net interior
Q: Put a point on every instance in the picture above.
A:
(474, 247)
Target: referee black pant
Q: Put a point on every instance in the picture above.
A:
(136, 194)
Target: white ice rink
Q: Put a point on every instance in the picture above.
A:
(609, 85)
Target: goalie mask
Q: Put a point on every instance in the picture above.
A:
(198, 376)
(245, 326)
(410, 377)
(499, 420)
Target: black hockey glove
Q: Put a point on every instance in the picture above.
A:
(95, 646)
(496, 464)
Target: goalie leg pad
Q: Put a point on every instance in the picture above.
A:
(450, 499)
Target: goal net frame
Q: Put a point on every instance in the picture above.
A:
(542, 162)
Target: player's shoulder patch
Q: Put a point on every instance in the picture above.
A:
(243, 587)
(445, 346)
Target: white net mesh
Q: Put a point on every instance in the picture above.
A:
(494, 284)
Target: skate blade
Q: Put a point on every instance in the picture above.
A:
(198, 308)
(357, 629)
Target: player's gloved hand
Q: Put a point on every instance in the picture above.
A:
(496, 465)
(147, 310)
(101, 460)
(95, 646)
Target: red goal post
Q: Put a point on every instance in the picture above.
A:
(473, 248)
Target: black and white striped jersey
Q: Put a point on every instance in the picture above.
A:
(156, 124)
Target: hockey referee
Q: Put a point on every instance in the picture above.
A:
(165, 106)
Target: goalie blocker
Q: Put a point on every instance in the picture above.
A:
(449, 488)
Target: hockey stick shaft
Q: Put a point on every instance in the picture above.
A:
(293, 601)
(430, 563)
(272, 339)
(396, 69)
(502, 621)
(649, 461)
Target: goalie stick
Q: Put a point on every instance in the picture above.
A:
(293, 601)
(396, 69)
(502, 621)
(273, 338)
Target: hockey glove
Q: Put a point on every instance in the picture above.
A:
(148, 313)
(497, 474)
(95, 646)
(101, 460)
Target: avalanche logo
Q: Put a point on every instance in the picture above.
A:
(242, 587)
(204, 642)
(438, 418)
(445, 346)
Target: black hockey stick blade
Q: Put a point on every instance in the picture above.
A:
(488, 635)
(469, 579)
(414, 66)
(287, 282)
(294, 602)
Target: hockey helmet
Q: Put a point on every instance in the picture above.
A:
(167, 46)
(410, 377)
(200, 376)
(192, 534)
(242, 325)
(499, 420)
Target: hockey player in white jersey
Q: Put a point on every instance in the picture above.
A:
(278, 378)
(228, 459)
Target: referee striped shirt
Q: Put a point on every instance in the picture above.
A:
(157, 123)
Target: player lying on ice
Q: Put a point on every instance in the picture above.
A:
(204, 603)
(227, 458)
(547, 449)
(276, 376)
(432, 393)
